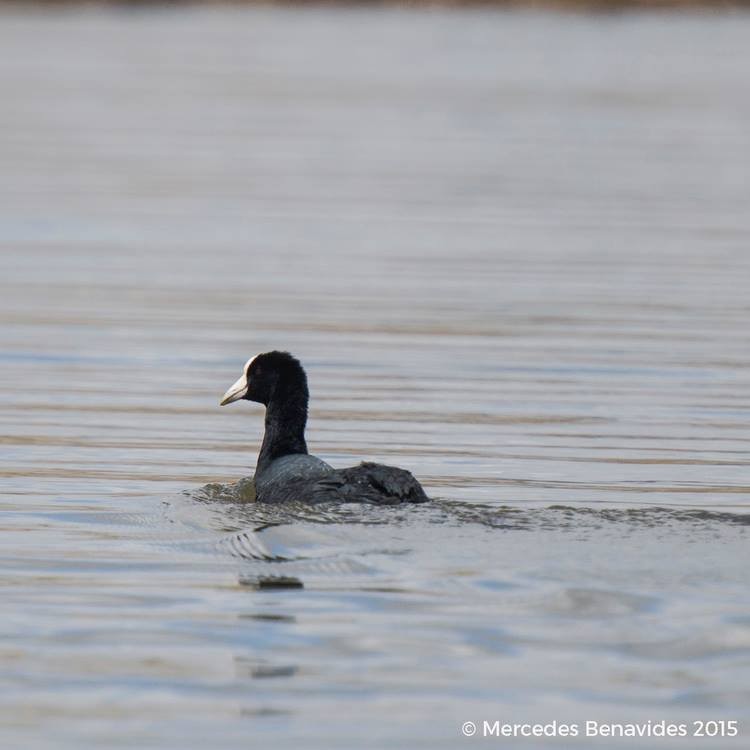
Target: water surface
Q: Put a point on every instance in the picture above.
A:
(511, 250)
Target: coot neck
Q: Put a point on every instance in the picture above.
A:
(286, 416)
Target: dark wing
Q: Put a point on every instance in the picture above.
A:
(366, 483)
(369, 483)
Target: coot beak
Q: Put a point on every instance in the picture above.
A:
(236, 391)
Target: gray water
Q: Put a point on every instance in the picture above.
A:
(511, 250)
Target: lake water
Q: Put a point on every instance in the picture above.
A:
(511, 250)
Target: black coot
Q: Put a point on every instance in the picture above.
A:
(285, 470)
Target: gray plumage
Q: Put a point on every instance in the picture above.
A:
(306, 478)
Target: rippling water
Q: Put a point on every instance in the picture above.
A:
(511, 250)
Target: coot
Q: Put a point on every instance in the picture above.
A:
(285, 470)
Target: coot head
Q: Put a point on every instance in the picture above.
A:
(267, 377)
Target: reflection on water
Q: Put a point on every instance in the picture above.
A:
(510, 250)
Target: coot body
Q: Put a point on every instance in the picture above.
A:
(285, 470)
